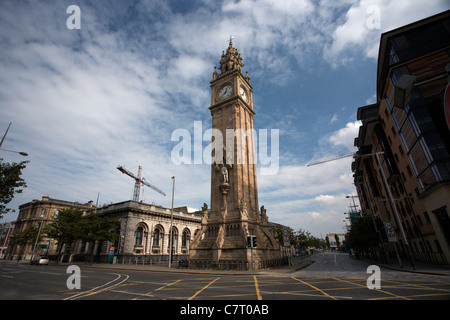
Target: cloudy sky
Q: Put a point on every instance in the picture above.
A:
(82, 101)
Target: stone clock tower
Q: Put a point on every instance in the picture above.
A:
(234, 214)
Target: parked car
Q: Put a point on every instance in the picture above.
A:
(39, 260)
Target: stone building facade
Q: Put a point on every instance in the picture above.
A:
(145, 229)
(39, 213)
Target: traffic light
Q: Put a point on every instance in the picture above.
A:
(251, 241)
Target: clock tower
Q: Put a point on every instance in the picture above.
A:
(234, 214)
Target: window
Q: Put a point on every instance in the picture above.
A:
(139, 233)
(184, 239)
(156, 235)
(393, 58)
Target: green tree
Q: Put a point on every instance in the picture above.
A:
(65, 229)
(71, 225)
(277, 231)
(11, 182)
(97, 228)
(338, 242)
(362, 233)
(26, 237)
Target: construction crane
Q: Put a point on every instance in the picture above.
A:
(138, 182)
(330, 159)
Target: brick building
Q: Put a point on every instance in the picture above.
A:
(405, 132)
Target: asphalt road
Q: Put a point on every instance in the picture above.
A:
(333, 276)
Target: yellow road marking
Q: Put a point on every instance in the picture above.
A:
(258, 293)
(379, 290)
(199, 291)
(323, 292)
(160, 288)
(170, 284)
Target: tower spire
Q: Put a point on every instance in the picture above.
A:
(231, 40)
(231, 59)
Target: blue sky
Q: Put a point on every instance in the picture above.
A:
(113, 92)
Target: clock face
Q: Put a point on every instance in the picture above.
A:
(243, 95)
(225, 92)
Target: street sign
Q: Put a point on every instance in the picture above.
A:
(286, 238)
(112, 249)
(390, 231)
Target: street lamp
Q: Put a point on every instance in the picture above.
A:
(39, 233)
(171, 224)
(3, 139)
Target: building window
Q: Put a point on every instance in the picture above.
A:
(393, 58)
(139, 233)
(184, 239)
(156, 236)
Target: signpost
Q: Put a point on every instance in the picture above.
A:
(392, 237)
(111, 254)
(390, 231)
(286, 238)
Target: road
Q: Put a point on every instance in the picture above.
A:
(333, 276)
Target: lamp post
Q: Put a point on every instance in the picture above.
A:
(3, 139)
(39, 233)
(171, 224)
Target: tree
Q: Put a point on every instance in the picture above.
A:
(96, 228)
(65, 229)
(10, 182)
(71, 225)
(277, 231)
(306, 239)
(26, 237)
(363, 235)
(327, 241)
(338, 242)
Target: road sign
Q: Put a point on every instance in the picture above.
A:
(286, 238)
(390, 231)
(112, 249)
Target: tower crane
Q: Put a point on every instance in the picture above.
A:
(138, 182)
(330, 159)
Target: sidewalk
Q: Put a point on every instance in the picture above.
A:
(296, 264)
(420, 267)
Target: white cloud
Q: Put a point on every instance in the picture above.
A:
(346, 136)
(83, 101)
(366, 20)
